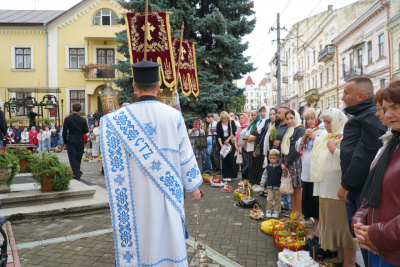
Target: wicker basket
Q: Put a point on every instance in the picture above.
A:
(207, 176)
(286, 226)
(256, 213)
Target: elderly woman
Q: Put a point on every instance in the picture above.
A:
(256, 168)
(291, 158)
(10, 136)
(377, 222)
(310, 203)
(333, 231)
(241, 144)
(25, 137)
(226, 130)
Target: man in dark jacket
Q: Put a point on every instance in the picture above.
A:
(3, 128)
(74, 128)
(17, 132)
(360, 141)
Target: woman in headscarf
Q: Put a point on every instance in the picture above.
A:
(241, 144)
(260, 130)
(291, 158)
(273, 124)
(226, 130)
(304, 145)
(251, 135)
(25, 137)
(10, 136)
(193, 135)
(377, 222)
(333, 231)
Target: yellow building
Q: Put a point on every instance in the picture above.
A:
(43, 52)
(394, 35)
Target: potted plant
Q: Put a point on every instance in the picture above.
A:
(23, 155)
(49, 172)
(9, 167)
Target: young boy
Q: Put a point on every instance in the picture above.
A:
(272, 178)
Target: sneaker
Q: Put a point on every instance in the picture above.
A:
(227, 179)
(268, 214)
(274, 215)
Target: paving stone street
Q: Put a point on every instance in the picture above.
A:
(87, 239)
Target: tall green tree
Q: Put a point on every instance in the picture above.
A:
(218, 28)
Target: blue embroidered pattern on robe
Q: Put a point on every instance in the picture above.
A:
(192, 173)
(172, 185)
(123, 217)
(115, 151)
(156, 165)
(150, 130)
(128, 256)
(119, 179)
(129, 130)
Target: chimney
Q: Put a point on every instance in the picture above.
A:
(330, 8)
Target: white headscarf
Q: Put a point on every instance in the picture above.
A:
(320, 151)
(9, 131)
(285, 147)
(262, 121)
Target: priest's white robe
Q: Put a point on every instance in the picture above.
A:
(148, 163)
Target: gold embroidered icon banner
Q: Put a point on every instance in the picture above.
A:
(159, 48)
(187, 68)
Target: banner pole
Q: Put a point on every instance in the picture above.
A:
(179, 58)
(146, 22)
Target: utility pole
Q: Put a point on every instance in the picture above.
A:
(278, 63)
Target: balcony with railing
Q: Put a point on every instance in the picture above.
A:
(311, 95)
(274, 87)
(285, 79)
(98, 71)
(355, 71)
(284, 62)
(298, 75)
(327, 53)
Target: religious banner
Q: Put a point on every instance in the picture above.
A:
(159, 47)
(187, 68)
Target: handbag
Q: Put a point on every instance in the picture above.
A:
(257, 151)
(200, 142)
(239, 158)
(286, 184)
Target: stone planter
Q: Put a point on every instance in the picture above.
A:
(4, 176)
(23, 165)
(45, 185)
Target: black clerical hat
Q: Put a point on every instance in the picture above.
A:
(146, 72)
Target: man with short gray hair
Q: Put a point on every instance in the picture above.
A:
(360, 142)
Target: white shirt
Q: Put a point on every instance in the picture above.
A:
(225, 129)
(212, 130)
(330, 184)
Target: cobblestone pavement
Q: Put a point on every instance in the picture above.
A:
(225, 228)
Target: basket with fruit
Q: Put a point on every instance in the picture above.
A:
(291, 235)
(256, 213)
(216, 182)
(242, 190)
(207, 176)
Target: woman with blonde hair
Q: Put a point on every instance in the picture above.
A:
(226, 130)
(333, 230)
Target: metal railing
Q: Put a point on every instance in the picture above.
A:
(298, 75)
(353, 72)
(327, 52)
(100, 73)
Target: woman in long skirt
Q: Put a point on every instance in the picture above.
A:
(226, 130)
(259, 131)
(96, 144)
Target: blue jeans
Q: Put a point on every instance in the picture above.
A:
(378, 262)
(207, 155)
(54, 141)
(46, 144)
(41, 146)
(286, 201)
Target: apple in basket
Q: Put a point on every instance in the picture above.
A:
(217, 181)
(227, 188)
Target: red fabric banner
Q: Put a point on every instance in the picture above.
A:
(159, 48)
(187, 68)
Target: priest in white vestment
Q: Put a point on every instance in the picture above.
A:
(148, 163)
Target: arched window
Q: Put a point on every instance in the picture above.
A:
(105, 17)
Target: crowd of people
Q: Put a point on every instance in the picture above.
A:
(327, 155)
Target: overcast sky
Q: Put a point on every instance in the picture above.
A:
(260, 49)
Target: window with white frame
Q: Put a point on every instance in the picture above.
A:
(77, 96)
(381, 45)
(23, 58)
(76, 57)
(105, 17)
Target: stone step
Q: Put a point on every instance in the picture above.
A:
(98, 201)
(27, 194)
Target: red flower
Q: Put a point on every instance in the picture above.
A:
(5, 153)
(23, 152)
(2, 151)
(29, 151)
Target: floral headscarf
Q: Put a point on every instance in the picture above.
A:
(242, 126)
(254, 123)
